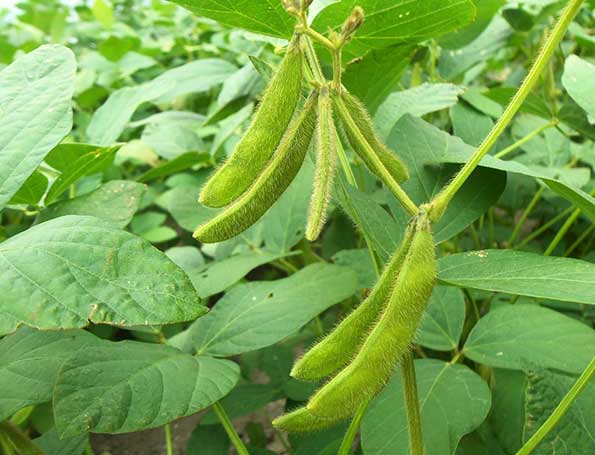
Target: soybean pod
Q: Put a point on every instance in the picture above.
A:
(269, 185)
(301, 420)
(389, 339)
(262, 138)
(326, 165)
(340, 346)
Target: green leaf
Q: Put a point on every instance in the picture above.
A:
(75, 161)
(180, 163)
(32, 190)
(518, 336)
(29, 363)
(103, 12)
(486, 10)
(258, 314)
(98, 273)
(220, 275)
(575, 432)
(261, 16)
(507, 416)
(521, 273)
(578, 79)
(51, 444)
(116, 201)
(211, 440)
(377, 74)
(182, 203)
(421, 145)
(36, 112)
(132, 386)
(416, 101)
(243, 400)
(390, 22)
(442, 325)
(111, 118)
(469, 124)
(453, 402)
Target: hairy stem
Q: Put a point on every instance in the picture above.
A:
(560, 410)
(416, 441)
(230, 430)
(442, 200)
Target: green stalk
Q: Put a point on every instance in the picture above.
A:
(230, 430)
(560, 410)
(416, 441)
(579, 240)
(168, 439)
(442, 200)
(562, 232)
(525, 139)
(525, 215)
(347, 442)
(545, 227)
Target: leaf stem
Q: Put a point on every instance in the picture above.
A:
(560, 410)
(562, 232)
(416, 442)
(581, 238)
(544, 227)
(526, 139)
(347, 442)
(442, 200)
(230, 430)
(168, 440)
(525, 215)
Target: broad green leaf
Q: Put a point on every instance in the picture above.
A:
(258, 314)
(442, 325)
(98, 273)
(575, 432)
(453, 402)
(377, 74)
(521, 273)
(469, 124)
(507, 416)
(171, 140)
(32, 190)
(103, 12)
(75, 161)
(390, 22)
(261, 16)
(579, 81)
(51, 444)
(180, 163)
(131, 386)
(220, 275)
(519, 336)
(486, 10)
(416, 101)
(116, 201)
(35, 112)
(29, 363)
(420, 145)
(111, 118)
(182, 203)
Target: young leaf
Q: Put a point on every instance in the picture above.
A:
(36, 112)
(98, 273)
(578, 79)
(132, 386)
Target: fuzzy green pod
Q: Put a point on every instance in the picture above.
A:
(262, 138)
(326, 166)
(302, 421)
(363, 122)
(390, 338)
(269, 186)
(340, 346)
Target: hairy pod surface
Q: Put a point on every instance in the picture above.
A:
(262, 138)
(270, 185)
(361, 119)
(326, 165)
(301, 421)
(340, 346)
(389, 339)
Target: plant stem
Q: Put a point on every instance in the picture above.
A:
(347, 442)
(545, 227)
(525, 215)
(525, 139)
(230, 430)
(560, 410)
(442, 200)
(416, 442)
(168, 440)
(562, 232)
(579, 240)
